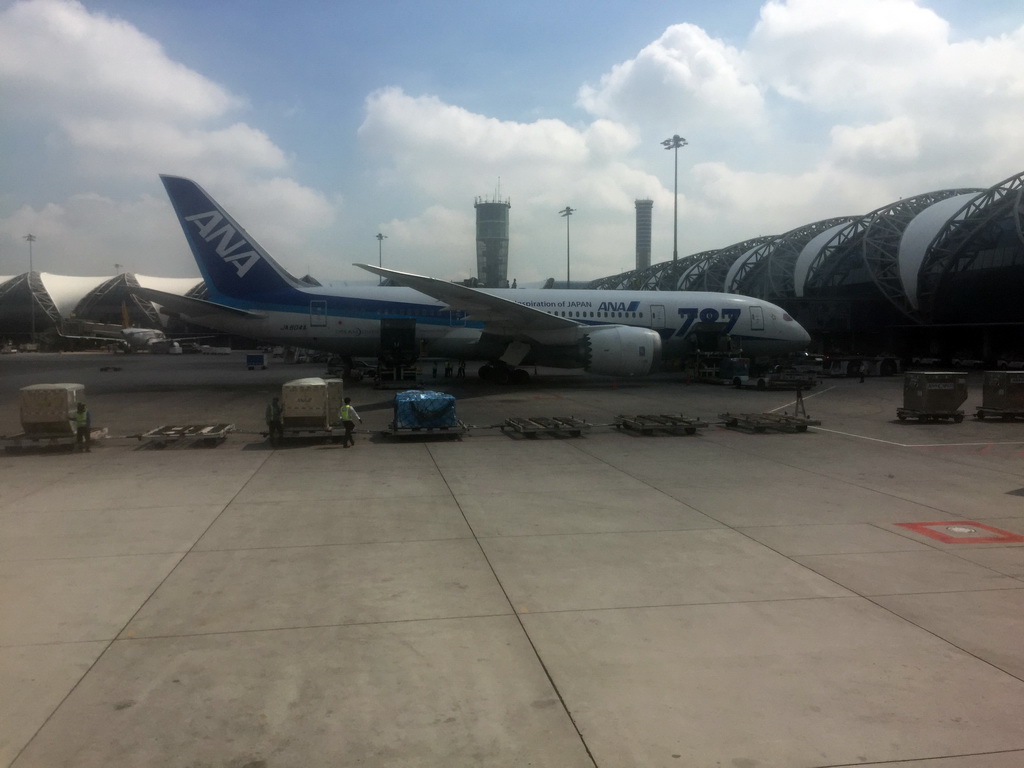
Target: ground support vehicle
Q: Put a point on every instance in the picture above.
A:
(910, 413)
(933, 396)
(423, 413)
(648, 424)
(329, 432)
(396, 377)
(456, 430)
(777, 380)
(254, 360)
(1002, 396)
(208, 435)
(859, 365)
(309, 408)
(532, 426)
(711, 368)
(764, 422)
(981, 412)
(27, 440)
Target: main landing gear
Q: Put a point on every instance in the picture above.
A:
(500, 373)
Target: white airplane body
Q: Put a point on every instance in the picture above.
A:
(618, 333)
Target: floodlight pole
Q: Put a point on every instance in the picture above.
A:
(674, 144)
(31, 299)
(380, 255)
(566, 213)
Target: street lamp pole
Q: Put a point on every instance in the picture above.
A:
(31, 299)
(380, 255)
(674, 144)
(566, 213)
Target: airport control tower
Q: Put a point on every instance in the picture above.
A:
(492, 242)
(643, 233)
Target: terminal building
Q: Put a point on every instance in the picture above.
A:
(41, 305)
(940, 273)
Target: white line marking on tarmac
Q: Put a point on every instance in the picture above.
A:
(889, 442)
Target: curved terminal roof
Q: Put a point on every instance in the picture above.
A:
(918, 236)
(906, 253)
(61, 298)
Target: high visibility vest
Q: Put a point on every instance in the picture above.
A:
(82, 418)
(346, 413)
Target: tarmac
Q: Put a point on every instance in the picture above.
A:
(848, 595)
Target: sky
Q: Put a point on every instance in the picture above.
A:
(320, 123)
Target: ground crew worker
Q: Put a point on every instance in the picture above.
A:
(347, 413)
(275, 420)
(83, 429)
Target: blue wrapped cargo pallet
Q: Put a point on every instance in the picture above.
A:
(418, 409)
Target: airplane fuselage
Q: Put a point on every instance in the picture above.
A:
(349, 323)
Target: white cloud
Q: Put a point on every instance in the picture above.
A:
(58, 58)
(446, 153)
(111, 100)
(685, 77)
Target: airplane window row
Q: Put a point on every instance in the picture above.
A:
(559, 313)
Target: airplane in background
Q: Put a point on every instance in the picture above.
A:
(609, 332)
(127, 338)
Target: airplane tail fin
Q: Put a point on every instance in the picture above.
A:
(232, 263)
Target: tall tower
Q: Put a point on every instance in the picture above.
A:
(492, 242)
(643, 233)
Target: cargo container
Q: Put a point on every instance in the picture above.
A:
(310, 408)
(304, 403)
(929, 395)
(49, 408)
(1002, 395)
(421, 412)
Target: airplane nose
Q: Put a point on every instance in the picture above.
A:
(795, 332)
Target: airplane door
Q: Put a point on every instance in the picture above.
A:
(657, 316)
(756, 319)
(318, 314)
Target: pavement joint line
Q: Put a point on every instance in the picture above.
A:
(518, 616)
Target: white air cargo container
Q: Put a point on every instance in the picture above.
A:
(305, 403)
(48, 409)
(335, 398)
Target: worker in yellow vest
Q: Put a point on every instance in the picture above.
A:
(83, 429)
(347, 414)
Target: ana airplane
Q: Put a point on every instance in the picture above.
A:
(617, 333)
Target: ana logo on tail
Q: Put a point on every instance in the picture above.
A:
(208, 223)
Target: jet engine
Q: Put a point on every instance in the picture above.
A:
(621, 350)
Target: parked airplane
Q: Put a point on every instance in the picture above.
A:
(126, 337)
(617, 333)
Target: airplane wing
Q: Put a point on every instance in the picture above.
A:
(194, 309)
(480, 305)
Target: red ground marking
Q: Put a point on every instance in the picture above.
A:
(928, 529)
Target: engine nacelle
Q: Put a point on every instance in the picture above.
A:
(621, 350)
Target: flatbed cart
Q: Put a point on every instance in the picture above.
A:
(911, 413)
(1006, 414)
(334, 433)
(533, 426)
(209, 435)
(47, 440)
(647, 424)
(456, 430)
(765, 422)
